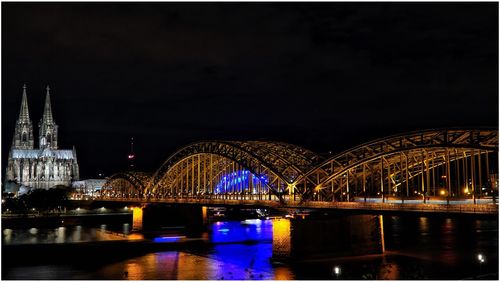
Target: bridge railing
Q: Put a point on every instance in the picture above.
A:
(200, 201)
(490, 208)
(453, 208)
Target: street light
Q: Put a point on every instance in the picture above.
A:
(336, 271)
(481, 260)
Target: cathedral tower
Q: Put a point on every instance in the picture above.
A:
(47, 126)
(23, 133)
(41, 168)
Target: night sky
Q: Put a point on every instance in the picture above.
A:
(326, 76)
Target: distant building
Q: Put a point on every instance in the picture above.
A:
(45, 167)
(88, 187)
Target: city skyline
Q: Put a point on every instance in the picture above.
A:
(169, 74)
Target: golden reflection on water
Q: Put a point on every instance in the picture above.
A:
(191, 267)
(382, 235)
(389, 271)
(134, 271)
(141, 269)
(423, 224)
(283, 273)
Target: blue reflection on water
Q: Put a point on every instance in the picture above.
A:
(251, 258)
(245, 231)
(248, 261)
(167, 239)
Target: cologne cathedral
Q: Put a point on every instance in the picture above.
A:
(47, 166)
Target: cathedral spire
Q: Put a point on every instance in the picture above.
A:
(74, 153)
(23, 133)
(75, 168)
(47, 126)
(24, 114)
(47, 111)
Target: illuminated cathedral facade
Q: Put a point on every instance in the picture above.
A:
(47, 166)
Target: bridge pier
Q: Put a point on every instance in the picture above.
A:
(337, 236)
(190, 218)
(137, 218)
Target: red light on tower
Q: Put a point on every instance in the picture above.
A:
(131, 155)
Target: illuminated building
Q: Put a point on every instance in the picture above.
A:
(88, 187)
(47, 166)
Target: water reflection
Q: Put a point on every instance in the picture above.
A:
(389, 271)
(283, 273)
(423, 225)
(245, 231)
(33, 231)
(426, 248)
(126, 228)
(61, 235)
(447, 241)
(141, 269)
(77, 234)
(7, 236)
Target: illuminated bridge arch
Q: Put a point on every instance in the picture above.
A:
(444, 162)
(129, 184)
(231, 168)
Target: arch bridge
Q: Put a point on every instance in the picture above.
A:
(424, 166)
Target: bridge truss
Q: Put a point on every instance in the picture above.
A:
(447, 163)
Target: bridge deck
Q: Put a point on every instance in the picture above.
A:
(491, 208)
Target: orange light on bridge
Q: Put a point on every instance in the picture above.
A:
(136, 218)
(442, 192)
(281, 237)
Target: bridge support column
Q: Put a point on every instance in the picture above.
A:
(281, 239)
(448, 176)
(188, 218)
(327, 237)
(473, 175)
(137, 217)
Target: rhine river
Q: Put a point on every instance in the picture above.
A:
(417, 247)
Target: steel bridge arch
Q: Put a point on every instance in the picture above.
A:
(137, 180)
(389, 148)
(286, 161)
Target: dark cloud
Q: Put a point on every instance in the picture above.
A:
(326, 76)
